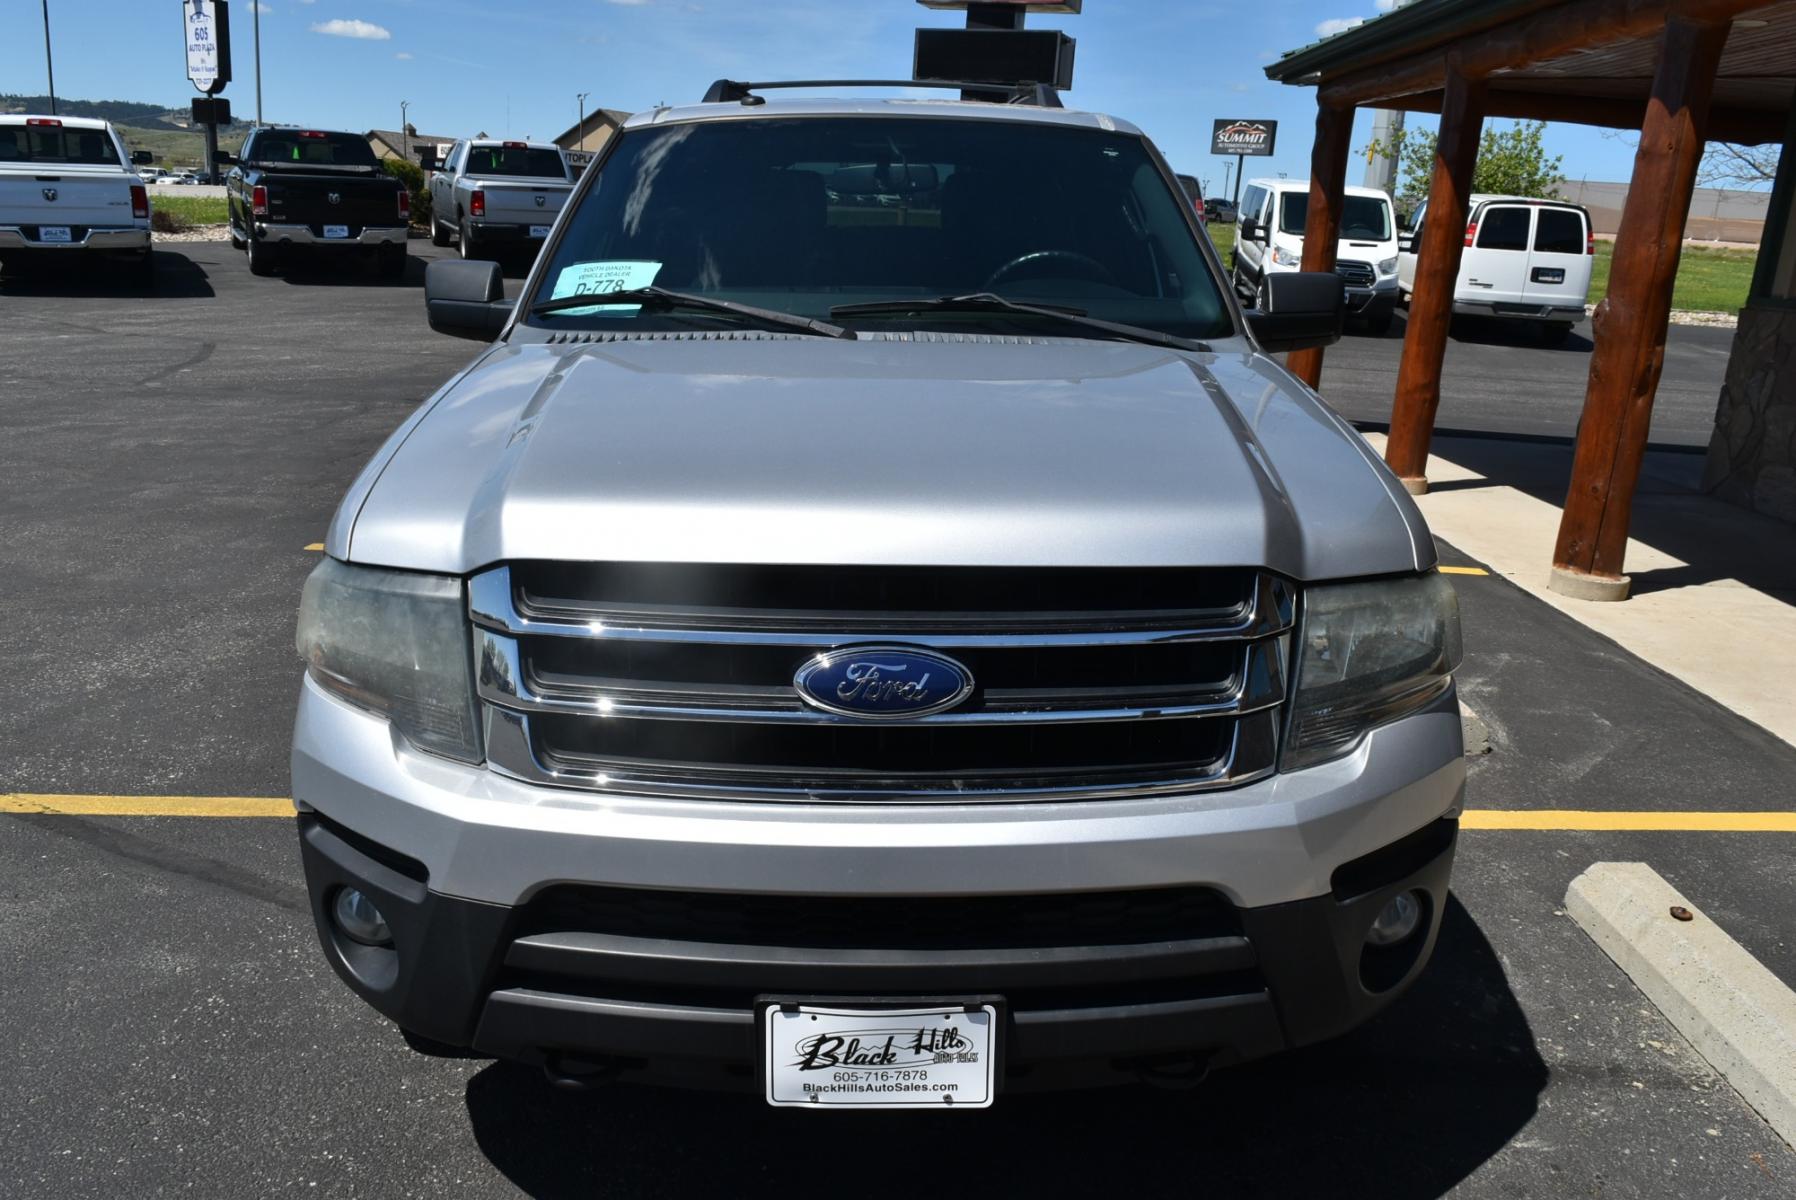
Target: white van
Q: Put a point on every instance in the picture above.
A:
(1269, 237)
(1524, 260)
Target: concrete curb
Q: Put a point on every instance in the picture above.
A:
(1738, 1015)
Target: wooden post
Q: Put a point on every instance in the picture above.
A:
(1630, 323)
(1322, 225)
(1437, 275)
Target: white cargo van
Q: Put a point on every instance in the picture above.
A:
(1524, 260)
(1269, 238)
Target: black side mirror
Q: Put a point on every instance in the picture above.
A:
(225, 160)
(142, 158)
(466, 299)
(1299, 310)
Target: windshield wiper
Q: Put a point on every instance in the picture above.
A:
(991, 302)
(660, 298)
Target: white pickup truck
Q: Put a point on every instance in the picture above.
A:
(489, 193)
(67, 185)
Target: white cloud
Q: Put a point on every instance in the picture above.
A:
(404, 56)
(352, 29)
(258, 6)
(1385, 6)
(1328, 28)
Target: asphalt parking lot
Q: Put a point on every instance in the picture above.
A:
(172, 1027)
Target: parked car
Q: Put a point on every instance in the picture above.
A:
(68, 186)
(292, 190)
(1220, 210)
(490, 194)
(1524, 260)
(1194, 192)
(944, 631)
(1270, 239)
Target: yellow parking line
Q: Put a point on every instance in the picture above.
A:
(145, 806)
(1683, 822)
(1463, 571)
(316, 546)
(1475, 818)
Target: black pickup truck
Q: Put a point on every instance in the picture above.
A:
(302, 188)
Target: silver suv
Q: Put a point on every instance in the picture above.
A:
(876, 628)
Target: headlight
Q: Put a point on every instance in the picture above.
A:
(395, 643)
(1369, 653)
(1388, 267)
(1285, 258)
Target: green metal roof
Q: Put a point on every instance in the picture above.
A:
(1396, 34)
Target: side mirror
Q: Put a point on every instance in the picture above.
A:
(466, 299)
(1299, 310)
(1406, 241)
(141, 158)
(225, 160)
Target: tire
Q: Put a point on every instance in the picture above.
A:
(439, 233)
(1555, 333)
(145, 270)
(1379, 323)
(468, 247)
(389, 262)
(261, 258)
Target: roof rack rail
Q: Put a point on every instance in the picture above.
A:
(1041, 95)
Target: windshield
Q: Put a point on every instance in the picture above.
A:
(295, 148)
(54, 144)
(803, 214)
(518, 161)
(1363, 218)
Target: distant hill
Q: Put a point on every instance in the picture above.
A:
(125, 112)
(165, 132)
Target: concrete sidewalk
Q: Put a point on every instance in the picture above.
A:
(1714, 586)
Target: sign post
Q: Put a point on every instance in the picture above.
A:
(206, 29)
(1243, 138)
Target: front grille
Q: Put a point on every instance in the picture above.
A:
(885, 922)
(678, 680)
(1354, 273)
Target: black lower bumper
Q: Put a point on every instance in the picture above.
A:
(662, 986)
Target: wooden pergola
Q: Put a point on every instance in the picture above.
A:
(1682, 72)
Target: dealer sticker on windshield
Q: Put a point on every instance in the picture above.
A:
(880, 1058)
(616, 276)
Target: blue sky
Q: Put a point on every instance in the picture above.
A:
(514, 68)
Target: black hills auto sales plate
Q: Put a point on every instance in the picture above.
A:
(848, 1057)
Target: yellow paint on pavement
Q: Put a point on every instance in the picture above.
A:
(1477, 818)
(145, 806)
(1680, 822)
(316, 546)
(1463, 571)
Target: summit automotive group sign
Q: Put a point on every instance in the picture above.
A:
(1244, 137)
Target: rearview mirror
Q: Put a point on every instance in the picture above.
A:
(226, 160)
(1251, 230)
(466, 299)
(141, 158)
(1299, 310)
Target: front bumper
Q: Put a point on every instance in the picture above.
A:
(16, 237)
(463, 863)
(302, 235)
(1572, 313)
(1377, 300)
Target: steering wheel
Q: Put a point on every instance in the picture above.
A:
(1092, 266)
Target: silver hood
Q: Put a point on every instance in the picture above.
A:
(955, 451)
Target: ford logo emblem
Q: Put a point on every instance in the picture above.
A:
(883, 683)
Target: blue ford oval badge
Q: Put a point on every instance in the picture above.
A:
(883, 683)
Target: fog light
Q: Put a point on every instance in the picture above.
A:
(1398, 920)
(359, 919)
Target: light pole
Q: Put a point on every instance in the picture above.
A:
(405, 135)
(256, 11)
(49, 65)
(580, 129)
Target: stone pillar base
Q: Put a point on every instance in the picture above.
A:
(1580, 586)
(1415, 487)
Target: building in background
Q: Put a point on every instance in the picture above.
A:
(395, 143)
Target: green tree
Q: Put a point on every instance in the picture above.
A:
(416, 182)
(1511, 162)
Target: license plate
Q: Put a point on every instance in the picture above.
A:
(539, 231)
(336, 231)
(1549, 274)
(53, 233)
(849, 1057)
